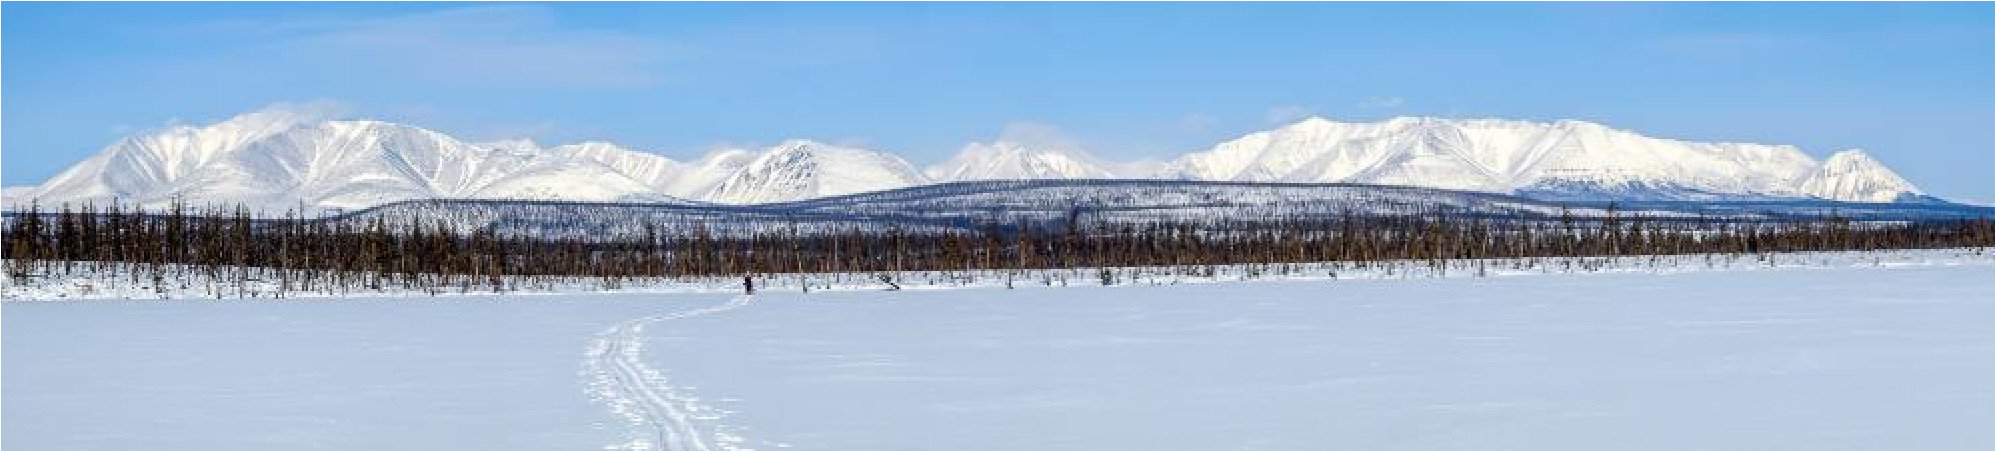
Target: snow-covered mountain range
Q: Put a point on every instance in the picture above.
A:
(277, 160)
(1566, 159)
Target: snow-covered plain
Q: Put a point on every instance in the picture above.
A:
(1893, 354)
(180, 283)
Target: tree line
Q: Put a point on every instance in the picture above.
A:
(416, 252)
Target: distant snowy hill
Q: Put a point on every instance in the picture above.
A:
(277, 160)
(803, 169)
(1852, 175)
(1013, 161)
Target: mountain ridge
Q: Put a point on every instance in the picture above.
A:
(271, 159)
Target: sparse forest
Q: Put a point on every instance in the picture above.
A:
(159, 247)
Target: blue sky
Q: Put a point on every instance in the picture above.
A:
(1912, 83)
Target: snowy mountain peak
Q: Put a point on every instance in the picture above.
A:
(1852, 175)
(1312, 122)
(263, 122)
(596, 148)
(1004, 160)
(804, 169)
(653, 171)
(807, 146)
(1852, 160)
(168, 160)
(519, 146)
(1311, 150)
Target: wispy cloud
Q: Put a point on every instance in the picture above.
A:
(1726, 44)
(478, 45)
(284, 113)
(306, 110)
(1283, 114)
(1038, 134)
(1197, 123)
(1382, 103)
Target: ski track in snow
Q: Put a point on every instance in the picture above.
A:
(659, 415)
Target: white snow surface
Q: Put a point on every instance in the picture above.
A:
(9, 193)
(277, 159)
(1806, 351)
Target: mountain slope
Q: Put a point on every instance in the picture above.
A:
(1853, 175)
(803, 169)
(1013, 161)
(1567, 158)
(1584, 153)
(355, 164)
(150, 166)
(700, 177)
(653, 171)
